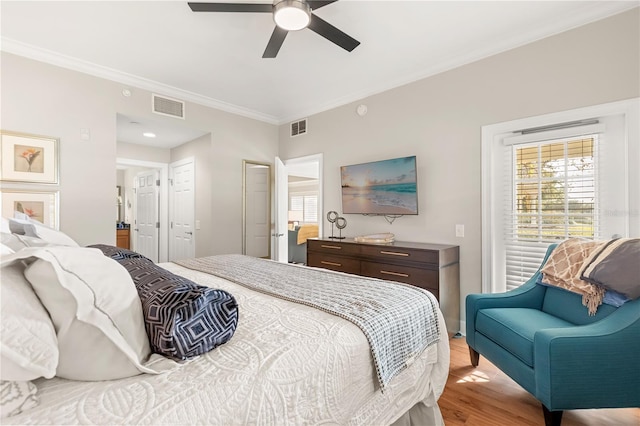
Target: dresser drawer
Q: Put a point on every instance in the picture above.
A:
(424, 278)
(330, 247)
(401, 254)
(336, 263)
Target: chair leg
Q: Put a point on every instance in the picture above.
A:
(475, 357)
(551, 418)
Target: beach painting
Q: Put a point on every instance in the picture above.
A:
(387, 187)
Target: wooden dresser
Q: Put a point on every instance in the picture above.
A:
(434, 267)
(122, 238)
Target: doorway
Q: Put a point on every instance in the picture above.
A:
(133, 168)
(301, 177)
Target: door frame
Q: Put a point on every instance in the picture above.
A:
(313, 158)
(163, 206)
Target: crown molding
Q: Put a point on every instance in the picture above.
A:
(594, 12)
(54, 58)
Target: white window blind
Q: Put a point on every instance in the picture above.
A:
(551, 194)
(308, 204)
(546, 178)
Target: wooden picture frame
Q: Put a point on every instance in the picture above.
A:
(38, 205)
(28, 158)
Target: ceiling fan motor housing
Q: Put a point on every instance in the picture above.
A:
(291, 15)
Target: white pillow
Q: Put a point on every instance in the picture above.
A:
(95, 309)
(4, 227)
(5, 249)
(28, 343)
(16, 397)
(33, 228)
(16, 242)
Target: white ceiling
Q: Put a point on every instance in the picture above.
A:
(215, 59)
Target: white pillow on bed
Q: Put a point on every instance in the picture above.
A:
(6, 249)
(17, 242)
(33, 228)
(95, 309)
(4, 225)
(28, 343)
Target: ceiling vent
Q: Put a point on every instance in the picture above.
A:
(299, 127)
(167, 106)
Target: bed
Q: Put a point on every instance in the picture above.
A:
(286, 364)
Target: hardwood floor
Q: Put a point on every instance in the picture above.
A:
(485, 396)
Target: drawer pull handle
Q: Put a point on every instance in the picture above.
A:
(324, 262)
(331, 247)
(397, 274)
(394, 253)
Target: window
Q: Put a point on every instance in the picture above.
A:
(308, 204)
(553, 195)
(548, 178)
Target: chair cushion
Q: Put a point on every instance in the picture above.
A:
(568, 306)
(514, 328)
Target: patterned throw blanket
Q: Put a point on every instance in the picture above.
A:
(564, 266)
(400, 321)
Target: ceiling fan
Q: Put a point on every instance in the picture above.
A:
(289, 15)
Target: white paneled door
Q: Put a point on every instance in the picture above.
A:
(147, 221)
(257, 210)
(281, 225)
(182, 209)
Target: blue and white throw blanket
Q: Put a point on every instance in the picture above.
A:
(399, 320)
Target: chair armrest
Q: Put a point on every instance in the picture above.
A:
(599, 362)
(528, 295)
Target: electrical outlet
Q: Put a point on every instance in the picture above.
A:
(459, 230)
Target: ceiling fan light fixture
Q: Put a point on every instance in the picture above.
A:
(291, 15)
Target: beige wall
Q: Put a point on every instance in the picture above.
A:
(48, 100)
(142, 152)
(439, 119)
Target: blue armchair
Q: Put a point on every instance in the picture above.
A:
(543, 338)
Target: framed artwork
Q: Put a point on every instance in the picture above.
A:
(38, 205)
(28, 158)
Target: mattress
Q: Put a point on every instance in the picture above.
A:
(287, 364)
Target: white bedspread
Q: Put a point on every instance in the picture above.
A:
(287, 364)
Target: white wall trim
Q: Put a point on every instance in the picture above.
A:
(163, 205)
(493, 134)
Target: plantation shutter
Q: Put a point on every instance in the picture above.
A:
(551, 192)
(308, 204)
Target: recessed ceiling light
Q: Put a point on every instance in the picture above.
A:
(149, 135)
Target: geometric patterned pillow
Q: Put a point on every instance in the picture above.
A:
(182, 319)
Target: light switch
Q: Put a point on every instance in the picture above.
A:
(197, 225)
(459, 230)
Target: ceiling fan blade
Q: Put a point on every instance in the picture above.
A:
(331, 33)
(232, 7)
(317, 4)
(275, 42)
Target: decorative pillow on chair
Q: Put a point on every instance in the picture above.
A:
(96, 312)
(183, 319)
(616, 267)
